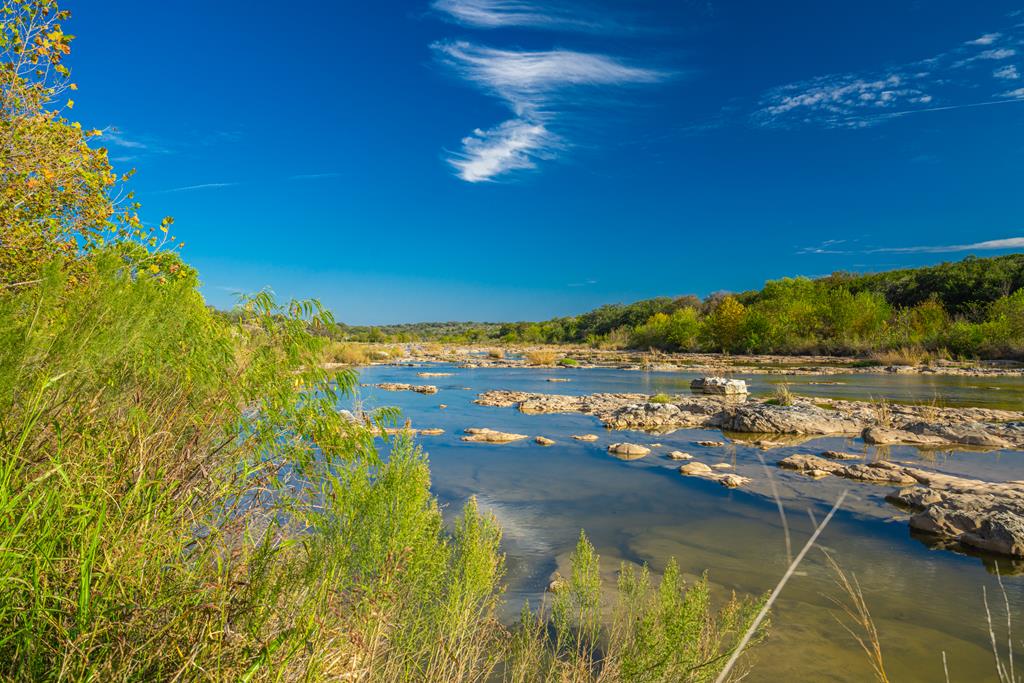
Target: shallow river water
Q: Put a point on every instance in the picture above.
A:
(925, 600)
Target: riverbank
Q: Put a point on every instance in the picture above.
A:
(583, 357)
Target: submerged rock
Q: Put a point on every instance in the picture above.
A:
(883, 436)
(839, 455)
(719, 385)
(880, 472)
(699, 469)
(694, 468)
(710, 444)
(585, 437)
(490, 436)
(628, 451)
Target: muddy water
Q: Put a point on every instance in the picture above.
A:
(925, 600)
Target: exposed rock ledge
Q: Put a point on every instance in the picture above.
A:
(984, 515)
(925, 426)
(490, 436)
(418, 388)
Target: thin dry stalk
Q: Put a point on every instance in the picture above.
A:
(1005, 670)
(856, 610)
(724, 675)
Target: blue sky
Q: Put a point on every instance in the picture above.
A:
(520, 159)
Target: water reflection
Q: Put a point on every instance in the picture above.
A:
(925, 599)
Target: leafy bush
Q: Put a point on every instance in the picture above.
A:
(666, 633)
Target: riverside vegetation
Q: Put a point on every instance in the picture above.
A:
(973, 309)
(180, 497)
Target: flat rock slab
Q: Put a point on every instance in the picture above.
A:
(880, 472)
(429, 431)
(585, 437)
(839, 455)
(679, 455)
(628, 451)
(799, 418)
(418, 388)
(478, 435)
(884, 436)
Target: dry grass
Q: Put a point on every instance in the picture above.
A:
(349, 353)
(883, 414)
(1005, 664)
(905, 355)
(782, 395)
(497, 354)
(858, 622)
(541, 357)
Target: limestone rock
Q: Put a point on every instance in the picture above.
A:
(628, 451)
(679, 455)
(490, 436)
(544, 441)
(839, 455)
(585, 437)
(718, 385)
(694, 468)
(799, 418)
(418, 388)
(884, 436)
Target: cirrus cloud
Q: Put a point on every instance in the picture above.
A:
(535, 85)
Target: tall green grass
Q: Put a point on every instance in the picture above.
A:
(181, 500)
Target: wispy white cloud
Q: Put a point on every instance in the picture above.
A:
(946, 81)
(511, 146)
(989, 245)
(504, 13)
(986, 39)
(528, 80)
(1009, 72)
(202, 186)
(834, 247)
(1016, 94)
(113, 137)
(535, 85)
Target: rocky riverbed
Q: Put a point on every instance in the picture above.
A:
(878, 423)
(986, 516)
(578, 357)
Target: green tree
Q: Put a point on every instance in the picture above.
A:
(724, 326)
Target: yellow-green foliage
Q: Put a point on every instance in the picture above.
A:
(180, 498)
(349, 353)
(666, 633)
(158, 472)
